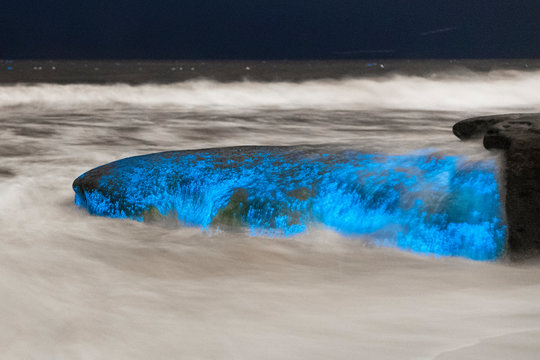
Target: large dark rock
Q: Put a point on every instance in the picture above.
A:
(518, 136)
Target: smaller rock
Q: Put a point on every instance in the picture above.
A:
(477, 127)
(518, 135)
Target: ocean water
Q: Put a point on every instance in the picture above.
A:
(78, 286)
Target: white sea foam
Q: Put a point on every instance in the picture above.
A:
(75, 286)
(495, 91)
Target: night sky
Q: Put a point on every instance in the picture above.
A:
(269, 29)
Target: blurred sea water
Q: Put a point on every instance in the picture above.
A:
(76, 286)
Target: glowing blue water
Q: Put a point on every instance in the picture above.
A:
(423, 203)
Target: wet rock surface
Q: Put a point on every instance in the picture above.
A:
(518, 136)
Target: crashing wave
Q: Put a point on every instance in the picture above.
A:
(425, 203)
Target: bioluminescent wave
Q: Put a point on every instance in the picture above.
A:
(425, 203)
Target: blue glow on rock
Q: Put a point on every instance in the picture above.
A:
(424, 203)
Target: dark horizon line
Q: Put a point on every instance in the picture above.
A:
(7, 59)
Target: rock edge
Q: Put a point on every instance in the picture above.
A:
(518, 137)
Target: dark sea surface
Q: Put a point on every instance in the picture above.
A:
(76, 286)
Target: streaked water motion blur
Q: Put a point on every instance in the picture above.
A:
(76, 286)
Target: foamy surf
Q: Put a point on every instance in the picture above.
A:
(76, 286)
(494, 91)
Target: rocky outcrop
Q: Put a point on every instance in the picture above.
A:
(518, 137)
